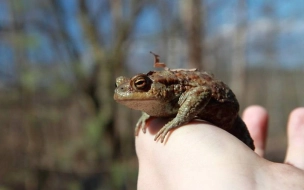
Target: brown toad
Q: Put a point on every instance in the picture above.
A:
(182, 95)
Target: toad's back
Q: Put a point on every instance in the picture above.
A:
(190, 79)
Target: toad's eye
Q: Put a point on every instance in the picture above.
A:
(142, 83)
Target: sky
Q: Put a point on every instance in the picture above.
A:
(289, 16)
(289, 39)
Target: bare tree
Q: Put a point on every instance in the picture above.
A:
(238, 65)
(95, 88)
(192, 13)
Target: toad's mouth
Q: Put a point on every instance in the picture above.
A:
(137, 100)
(121, 97)
(153, 107)
(125, 98)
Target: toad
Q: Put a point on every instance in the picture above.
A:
(183, 95)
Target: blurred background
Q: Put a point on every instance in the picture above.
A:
(59, 125)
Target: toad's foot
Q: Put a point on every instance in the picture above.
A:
(141, 122)
(162, 133)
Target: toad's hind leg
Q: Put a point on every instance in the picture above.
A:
(191, 103)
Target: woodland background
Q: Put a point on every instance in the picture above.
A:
(59, 125)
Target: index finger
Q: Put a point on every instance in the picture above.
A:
(256, 119)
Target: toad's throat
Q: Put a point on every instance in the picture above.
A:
(152, 107)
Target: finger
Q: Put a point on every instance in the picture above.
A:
(256, 119)
(295, 135)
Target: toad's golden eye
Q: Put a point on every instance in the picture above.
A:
(141, 83)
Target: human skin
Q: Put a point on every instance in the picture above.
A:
(201, 156)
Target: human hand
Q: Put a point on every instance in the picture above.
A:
(201, 156)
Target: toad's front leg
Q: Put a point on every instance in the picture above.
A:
(191, 103)
(141, 123)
